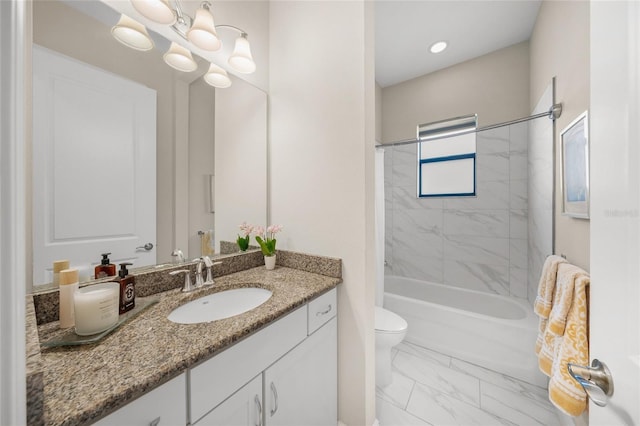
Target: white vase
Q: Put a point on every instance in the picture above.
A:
(270, 262)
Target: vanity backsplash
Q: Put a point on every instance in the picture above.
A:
(150, 281)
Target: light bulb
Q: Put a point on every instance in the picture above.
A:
(203, 31)
(180, 58)
(156, 10)
(132, 34)
(217, 77)
(241, 59)
(438, 47)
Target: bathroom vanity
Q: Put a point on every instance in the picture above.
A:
(273, 365)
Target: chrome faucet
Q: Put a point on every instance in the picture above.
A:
(187, 279)
(209, 264)
(199, 279)
(178, 257)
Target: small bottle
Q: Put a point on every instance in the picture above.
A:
(106, 268)
(127, 289)
(58, 266)
(68, 286)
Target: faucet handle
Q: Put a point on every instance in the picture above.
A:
(209, 280)
(187, 279)
(178, 256)
(199, 279)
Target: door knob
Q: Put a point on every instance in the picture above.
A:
(596, 381)
(147, 247)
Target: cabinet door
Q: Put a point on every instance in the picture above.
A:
(301, 388)
(243, 408)
(165, 405)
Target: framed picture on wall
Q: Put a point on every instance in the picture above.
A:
(575, 167)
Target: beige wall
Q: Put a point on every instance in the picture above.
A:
(378, 106)
(560, 47)
(495, 86)
(322, 134)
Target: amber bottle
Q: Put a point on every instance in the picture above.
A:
(106, 268)
(127, 289)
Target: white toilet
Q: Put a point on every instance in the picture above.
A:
(390, 330)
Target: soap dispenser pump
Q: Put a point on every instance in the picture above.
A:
(106, 268)
(127, 288)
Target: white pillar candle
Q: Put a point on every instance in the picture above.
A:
(96, 308)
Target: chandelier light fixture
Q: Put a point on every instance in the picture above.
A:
(199, 31)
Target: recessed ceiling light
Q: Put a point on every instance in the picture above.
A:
(438, 47)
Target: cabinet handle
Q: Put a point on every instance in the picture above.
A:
(325, 312)
(274, 391)
(155, 422)
(259, 406)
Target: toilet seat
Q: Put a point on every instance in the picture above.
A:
(389, 322)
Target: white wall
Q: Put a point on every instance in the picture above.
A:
(322, 135)
(201, 151)
(240, 134)
(15, 90)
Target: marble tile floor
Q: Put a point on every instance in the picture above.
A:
(430, 388)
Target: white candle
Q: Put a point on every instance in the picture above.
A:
(96, 308)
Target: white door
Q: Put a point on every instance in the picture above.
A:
(94, 166)
(615, 209)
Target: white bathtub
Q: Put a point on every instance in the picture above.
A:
(489, 330)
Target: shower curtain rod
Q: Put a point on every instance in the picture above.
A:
(554, 112)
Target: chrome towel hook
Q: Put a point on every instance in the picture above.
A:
(596, 381)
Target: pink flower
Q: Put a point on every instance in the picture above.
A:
(245, 228)
(258, 230)
(274, 229)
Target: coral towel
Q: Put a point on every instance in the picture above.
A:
(565, 340)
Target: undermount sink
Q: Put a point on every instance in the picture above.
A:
(220, 305)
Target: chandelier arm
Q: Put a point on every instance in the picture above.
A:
(240, 30)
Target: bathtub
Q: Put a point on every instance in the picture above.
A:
(489, 330)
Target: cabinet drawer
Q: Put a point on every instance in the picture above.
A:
(321, 310)
(214, 380)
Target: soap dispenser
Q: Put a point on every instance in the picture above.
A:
(106, 268)
(127, 289)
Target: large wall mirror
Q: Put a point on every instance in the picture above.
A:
(208, 159)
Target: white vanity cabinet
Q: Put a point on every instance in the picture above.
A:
(300, 388)
(243, 408)
(165, 405)
(296, 362)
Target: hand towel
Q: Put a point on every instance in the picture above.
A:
(568, 276)
(546, 286)
(564, 391)
(551, 331)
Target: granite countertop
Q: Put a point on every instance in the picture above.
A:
(84, 383)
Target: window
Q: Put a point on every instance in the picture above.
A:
(447, 158)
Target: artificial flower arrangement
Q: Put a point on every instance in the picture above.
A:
(266, 238)
(243, 239)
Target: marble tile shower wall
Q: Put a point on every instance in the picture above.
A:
(473, 242)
